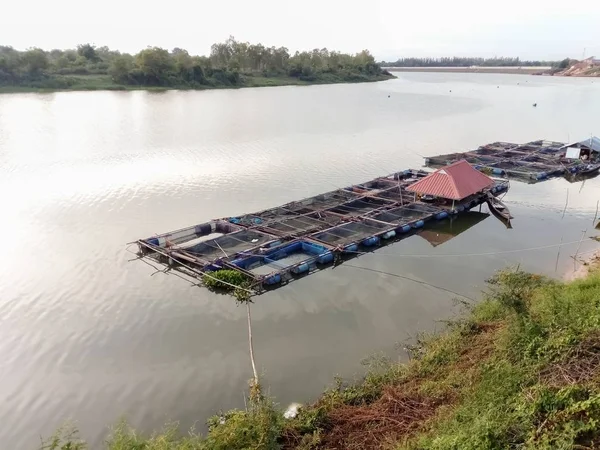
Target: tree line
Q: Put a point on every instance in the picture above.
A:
(457, 61)
(227, 64)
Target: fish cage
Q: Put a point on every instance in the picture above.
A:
(531, 162)
(322, 201)
(374, 185)
(410, 216)
(191, 235)
(361, 206)
(282, 263)
(276, 245)
(365, 232)
(301, 224)
(397, 194)
(205, 253)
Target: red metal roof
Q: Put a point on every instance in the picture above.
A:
(456, 181)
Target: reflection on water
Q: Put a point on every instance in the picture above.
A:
(89, 336)
(439, 232)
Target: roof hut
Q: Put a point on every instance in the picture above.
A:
(454, 182)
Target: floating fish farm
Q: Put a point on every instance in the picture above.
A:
(276, 246)
(532, 162)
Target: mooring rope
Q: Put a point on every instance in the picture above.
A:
(410, 279)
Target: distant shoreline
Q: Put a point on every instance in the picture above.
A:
(529, 70)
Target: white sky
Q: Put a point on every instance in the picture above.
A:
(530, 29)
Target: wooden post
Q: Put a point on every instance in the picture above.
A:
(577, 251)
(566, 203)
(558, 255)
(256, 385)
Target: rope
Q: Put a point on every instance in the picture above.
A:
(410, 279)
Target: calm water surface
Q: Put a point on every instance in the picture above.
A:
(86, 335)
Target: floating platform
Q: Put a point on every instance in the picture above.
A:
(276, 246)
(531, 162)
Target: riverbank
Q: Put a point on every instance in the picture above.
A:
(545, 71)
(60, 83)
(506, 70)
(521, 369)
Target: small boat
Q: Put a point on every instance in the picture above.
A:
(498, 208)
(589, 169)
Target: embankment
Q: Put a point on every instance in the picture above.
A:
(521, 369)
(57, 83)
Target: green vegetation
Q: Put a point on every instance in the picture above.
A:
(230, 64)
(456, 61)
(228, 280)
(521, 370)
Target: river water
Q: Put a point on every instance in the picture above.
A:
(87, 335)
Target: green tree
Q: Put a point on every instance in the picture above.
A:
(155, 64)
(564, 63)
(183, 63)
(88, 51)
(120, 68)
(9, 62)
(363, 58)
(35, 61)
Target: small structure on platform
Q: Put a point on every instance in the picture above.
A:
(586, 150)
(454, 182)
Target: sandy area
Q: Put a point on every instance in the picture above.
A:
(584, 265)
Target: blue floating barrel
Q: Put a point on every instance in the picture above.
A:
(300, 268)
(389, 234)
(419, 224)
(497, 171)
(370, 241)
(350, 248)
(234, 220)
(273, 279)
(404, 229)
(541, 175)
(325, 258)
(441, 215)
(257, 220)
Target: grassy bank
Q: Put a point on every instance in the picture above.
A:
(520, 370)
(58, 83)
